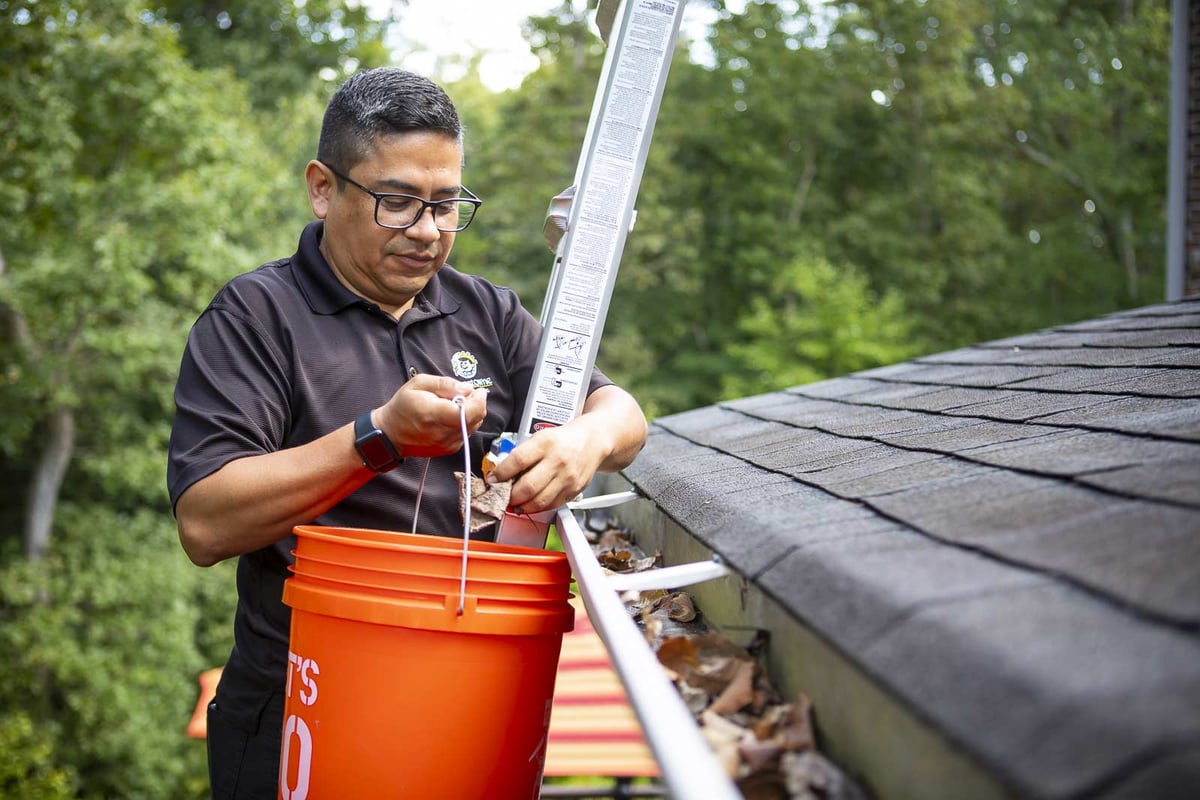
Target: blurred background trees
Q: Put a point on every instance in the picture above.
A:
(832, 186)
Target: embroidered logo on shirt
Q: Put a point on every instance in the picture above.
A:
(464, 364)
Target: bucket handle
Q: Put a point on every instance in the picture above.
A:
(461, 402)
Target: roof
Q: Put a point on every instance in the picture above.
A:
(1005, 538)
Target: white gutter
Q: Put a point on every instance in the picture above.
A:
(686, 761)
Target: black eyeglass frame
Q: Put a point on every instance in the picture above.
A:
(381, 196)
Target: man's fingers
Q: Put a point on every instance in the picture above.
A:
(440, 385)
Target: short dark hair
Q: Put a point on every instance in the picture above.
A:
(378, 102)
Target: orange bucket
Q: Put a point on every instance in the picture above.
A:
(391, 693)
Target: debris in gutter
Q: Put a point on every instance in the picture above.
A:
(766, 744)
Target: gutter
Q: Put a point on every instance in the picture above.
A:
(685, 759)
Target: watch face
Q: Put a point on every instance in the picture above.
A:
(374, 451)
(373, 446)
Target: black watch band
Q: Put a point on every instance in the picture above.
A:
(376, 449)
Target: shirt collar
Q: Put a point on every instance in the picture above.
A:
(325, 294)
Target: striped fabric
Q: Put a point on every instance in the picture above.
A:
(593, 730)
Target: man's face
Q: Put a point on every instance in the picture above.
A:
(387, 266)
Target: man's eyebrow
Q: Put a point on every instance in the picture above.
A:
(408, 188)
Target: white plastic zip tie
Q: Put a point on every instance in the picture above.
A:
(461, 402)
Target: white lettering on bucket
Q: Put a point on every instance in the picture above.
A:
(308, 669)
(299, 727)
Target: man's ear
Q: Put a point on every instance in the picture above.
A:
(320, 188)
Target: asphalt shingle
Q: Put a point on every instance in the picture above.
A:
(1006, 537)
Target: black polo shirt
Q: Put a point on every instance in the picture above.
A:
(285, 354)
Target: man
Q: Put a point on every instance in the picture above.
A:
(315, 388)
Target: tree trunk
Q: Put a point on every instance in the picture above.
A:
(803, 185)
(47, 481)
(1129, 254)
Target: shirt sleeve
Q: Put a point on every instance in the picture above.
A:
(231, 398)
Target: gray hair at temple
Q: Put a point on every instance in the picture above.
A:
(379, 102)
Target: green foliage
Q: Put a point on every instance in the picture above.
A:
(138, 177)
(104, 638)
(1088, 128)
(996, 173)
(134, 231)
(815, 322)
(26, 769)
(276, 46)
(525, 153)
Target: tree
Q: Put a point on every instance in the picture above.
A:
(104, 637)
(816, 321)
(26, 769)
(135, 184)
(1012, 161)
(1089, 124)
(276, 46)
(122, 231)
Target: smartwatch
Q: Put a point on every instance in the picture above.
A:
(376, 449)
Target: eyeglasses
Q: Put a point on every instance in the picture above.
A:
(401, 211)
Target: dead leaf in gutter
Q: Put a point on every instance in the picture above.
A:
(760, 756)
(616, 560)
(643, 564)
(739, 692)
(811, 775)
(789, 724)
(641, 603)
(695, 699)
(613, 539)
(677, 605)
(652, 629)
(708, 661)
(723, 736)
(679, 653)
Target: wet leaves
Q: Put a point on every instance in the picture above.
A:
(767, 745)
(706, 660)
(738, 693)
(616, 553)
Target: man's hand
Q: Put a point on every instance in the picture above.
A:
(550, 467)
(422, 419)
(252, 502)
(554, 465)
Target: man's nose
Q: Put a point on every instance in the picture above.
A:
(424, 229)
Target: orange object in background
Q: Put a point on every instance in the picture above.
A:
(197, 727)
